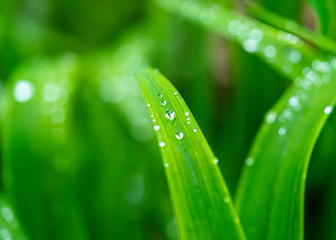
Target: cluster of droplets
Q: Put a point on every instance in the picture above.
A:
(315, 76)
(253, 36)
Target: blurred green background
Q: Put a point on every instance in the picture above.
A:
(78, 154)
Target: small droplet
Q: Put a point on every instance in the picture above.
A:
(282, 131)
(175, 93)
(160, 95)
(179, 135)
(23, 91)
(164, 103)
(188, 122)
(293, 101)
(152, 115)
(186, 113)
(166, 164)
(148, 105)
(328, 110)
(271, 117)
(156, 127)
(154, 120)
(215, 160)
(170, 114)
(194, 130)
(250, 45)
(270, 51)
(249, 162)
(162, 144)
(295, 57)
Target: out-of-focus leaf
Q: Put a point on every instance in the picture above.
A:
(199, 194)
(270, 199)
(283, 51)
(40, 155)
(9, 225)
(325, 9)
(291, 26)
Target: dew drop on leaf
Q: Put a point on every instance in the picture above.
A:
(170, 114)
(164, 103)
(179, 135)
(249, 162)
(156, 127)
(162, 144)
(328, 110)
(282, 131)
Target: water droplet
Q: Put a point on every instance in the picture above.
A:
(179, 135)
(23, 91)
(282, 131)
(7, 214)
(293, 101)
(160, 95)
(208, 16)
(271, 117)
(170, 114)
(154, 120)
(249, 162)
(256, 35)
(162, 144)
(270, 51)
(152, 116)
(215, 160)
(166, 164)
(194, 130)
(186, 113)
(250, 45)
(164, 103)
(175, 93)
(188, 122)
(328, 110)
(295, 57)
(156, 127)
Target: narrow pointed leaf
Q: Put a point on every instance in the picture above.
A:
(200, 198)
(270, 199)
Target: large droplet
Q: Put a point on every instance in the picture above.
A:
(328, 110)
(23, 91)
(170, 114)
(179, 135)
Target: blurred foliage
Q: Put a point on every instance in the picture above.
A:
(79, 159)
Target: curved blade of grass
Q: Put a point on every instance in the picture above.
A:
(291, 26)
(270, 198)
(199, 194)
(283, 51)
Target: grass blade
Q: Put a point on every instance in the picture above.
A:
(270, 199)
(201, 201)
(285, 52)
(291, 26)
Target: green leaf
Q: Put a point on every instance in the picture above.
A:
(291, 27)
(285, 52)
(201, 201)
(9, 225)
(270, 198)
(325, 9)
